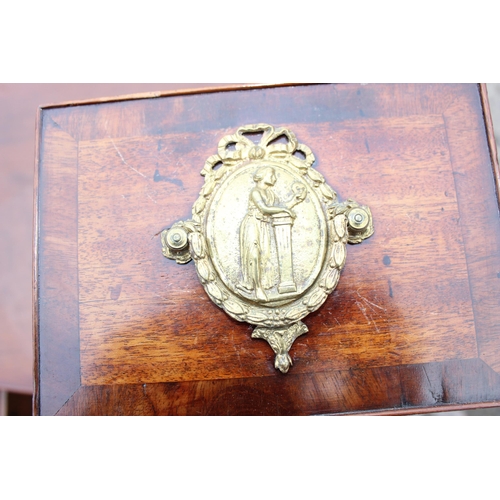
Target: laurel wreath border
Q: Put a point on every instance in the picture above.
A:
(216, 169)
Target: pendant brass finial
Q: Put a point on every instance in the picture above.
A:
(267, 234)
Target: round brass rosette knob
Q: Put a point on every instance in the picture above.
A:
(267, 234)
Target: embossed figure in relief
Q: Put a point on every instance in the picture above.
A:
(242, 226)
(264, 212)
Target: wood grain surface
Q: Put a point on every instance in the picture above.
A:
(407, 389)
(18, 109)
(413, 323)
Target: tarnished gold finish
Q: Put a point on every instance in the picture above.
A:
(175, 242)
(267, 235)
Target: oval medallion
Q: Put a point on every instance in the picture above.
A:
(267, 234)
(256, 253)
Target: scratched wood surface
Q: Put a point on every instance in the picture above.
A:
(413, 323)
(18, 109)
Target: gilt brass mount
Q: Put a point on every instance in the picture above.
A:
(267, 234)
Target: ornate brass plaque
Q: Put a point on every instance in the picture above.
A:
(267, 234)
